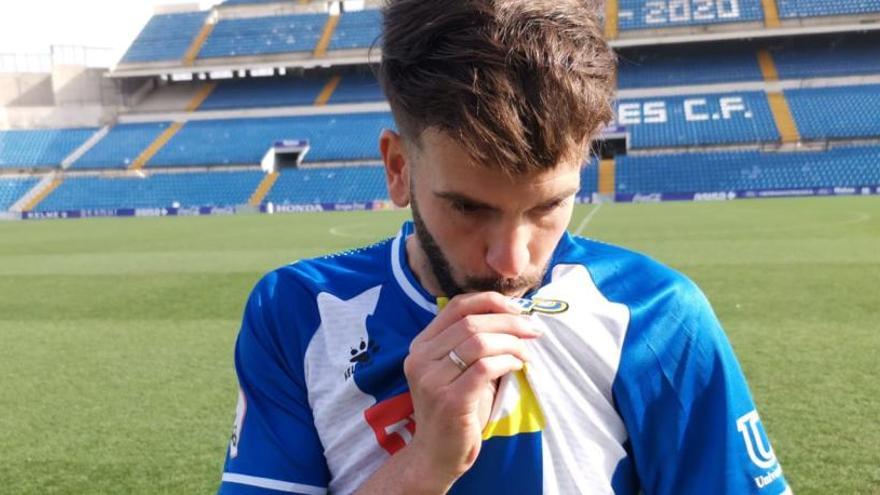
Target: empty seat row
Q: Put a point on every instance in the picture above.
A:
(829, 113)
(748, 170)
(165, 37)
(264, 35)
(154, 191)
(12, 189)
(815, 8)
(40, 147)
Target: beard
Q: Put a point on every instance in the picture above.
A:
(442, 270)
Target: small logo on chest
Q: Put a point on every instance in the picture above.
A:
(361, 355)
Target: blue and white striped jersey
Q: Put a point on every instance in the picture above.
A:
(633, 388)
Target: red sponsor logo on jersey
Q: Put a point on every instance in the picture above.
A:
(392, 421)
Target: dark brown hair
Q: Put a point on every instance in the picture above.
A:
(521, 84)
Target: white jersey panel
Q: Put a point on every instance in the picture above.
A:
(349, 443)
(574, 365)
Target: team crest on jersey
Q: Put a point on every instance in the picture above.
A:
(537, 305)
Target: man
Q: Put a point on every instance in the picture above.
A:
(483, 349)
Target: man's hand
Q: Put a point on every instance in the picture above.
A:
(452, 405)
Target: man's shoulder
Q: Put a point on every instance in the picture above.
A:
(629, 277)
(343, 274)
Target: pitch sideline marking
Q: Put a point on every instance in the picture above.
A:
(587, 219)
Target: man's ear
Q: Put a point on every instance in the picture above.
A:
(397, 168)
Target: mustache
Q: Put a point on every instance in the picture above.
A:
(505, 286)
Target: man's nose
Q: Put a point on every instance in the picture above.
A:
(508, 250)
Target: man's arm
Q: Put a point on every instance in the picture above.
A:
(274, 443)
(692, 422)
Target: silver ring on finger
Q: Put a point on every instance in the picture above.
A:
(457, 360)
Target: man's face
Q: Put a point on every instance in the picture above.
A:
(478, 229)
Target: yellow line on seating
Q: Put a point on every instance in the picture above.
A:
(327, 92)
(154, 147)
(326, 36)
(768, 67)
(263, 189)
(611, 19)
(607, 168)
(785, 123)
(36, 200)
(196, 46)
(200, 96)
(771, 14)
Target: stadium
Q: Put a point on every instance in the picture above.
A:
(745, 152)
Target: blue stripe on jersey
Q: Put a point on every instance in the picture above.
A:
(505, 465)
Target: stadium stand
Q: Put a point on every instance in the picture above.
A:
(677, 65)
(165, 37)
(121, 146)
(40, 148)
(729, 118)
(265, 92)
(748, 170)
(329, 185)
(651, 14)
(357, 88)
(264, 35)
(816, 8)
(357, 30)
(155, 191)
(12, 189)
(831, 113)
(826, 56)
(245, 141)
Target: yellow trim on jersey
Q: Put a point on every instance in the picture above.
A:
(525, 417)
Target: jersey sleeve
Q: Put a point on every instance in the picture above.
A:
(693, 425)
(274, 447)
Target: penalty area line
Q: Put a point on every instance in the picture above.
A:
(587, 219)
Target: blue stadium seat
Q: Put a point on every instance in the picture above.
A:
(265, 92)
(329, 185)
(264, 35)
(674, 65)
(728, 118)
(825, 56)
(11, 190)
(652, 14)
(40, 148)
(358, 88)
(844, 112)
(815, 8)
(748, 170)
(245, 141)
(154, 191)
(357, 30)
(121, 146)
(165, 37)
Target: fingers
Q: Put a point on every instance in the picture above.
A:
(482, 372)
(479, 347)
(472, 326)
(469, 304)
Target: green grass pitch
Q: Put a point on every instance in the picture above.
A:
(116, 335)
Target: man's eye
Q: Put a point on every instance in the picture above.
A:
(467, 207)
(549, 207)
